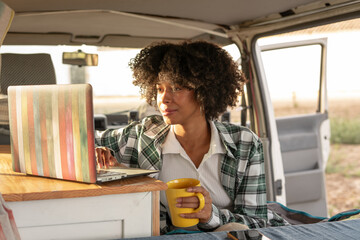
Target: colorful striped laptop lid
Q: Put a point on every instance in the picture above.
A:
(52, 131)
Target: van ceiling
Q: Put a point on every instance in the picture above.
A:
(134, 23)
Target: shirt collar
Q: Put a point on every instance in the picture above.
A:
(216, 145)
(171, 144)
(226, 136)
(155, 128)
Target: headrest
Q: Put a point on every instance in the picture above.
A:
(26, 69)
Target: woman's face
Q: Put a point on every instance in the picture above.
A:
(177, 104)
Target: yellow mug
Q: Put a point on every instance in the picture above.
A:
(177, 188)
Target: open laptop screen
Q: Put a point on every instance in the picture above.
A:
(52, 131)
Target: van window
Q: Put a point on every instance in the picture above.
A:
(111, 79)
(293, 76)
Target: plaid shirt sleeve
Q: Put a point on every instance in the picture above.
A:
(135, 142)
(122, 142)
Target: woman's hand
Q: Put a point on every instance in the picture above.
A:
(104, 158)
(193, 202)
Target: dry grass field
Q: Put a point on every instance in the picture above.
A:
(343, 182)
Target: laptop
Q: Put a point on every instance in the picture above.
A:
(52, 134)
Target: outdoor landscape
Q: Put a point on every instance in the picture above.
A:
(343, 167)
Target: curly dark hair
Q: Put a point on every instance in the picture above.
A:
(202, 66)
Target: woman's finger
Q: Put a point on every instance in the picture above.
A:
(187, 205)
(99, 158)
(107, 159)
(104, 157)
(198, 189)
(193, 202)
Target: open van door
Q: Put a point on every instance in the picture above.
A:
(295, 74)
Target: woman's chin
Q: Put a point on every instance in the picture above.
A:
(168, 120)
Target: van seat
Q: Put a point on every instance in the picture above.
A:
(26, 69)
(21, 69)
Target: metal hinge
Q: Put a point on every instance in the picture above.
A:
(278, 187)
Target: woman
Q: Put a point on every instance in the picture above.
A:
(192, 84)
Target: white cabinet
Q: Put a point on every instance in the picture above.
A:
(100, 217)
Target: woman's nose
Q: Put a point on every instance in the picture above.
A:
(166, 96)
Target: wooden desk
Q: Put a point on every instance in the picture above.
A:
(57, 209)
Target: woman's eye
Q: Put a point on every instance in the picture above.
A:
(175, 89)
(159, 90)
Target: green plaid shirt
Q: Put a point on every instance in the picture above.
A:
(242, 169)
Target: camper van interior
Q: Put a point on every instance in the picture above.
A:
(293, 53)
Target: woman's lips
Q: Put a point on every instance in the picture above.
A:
(167, 112)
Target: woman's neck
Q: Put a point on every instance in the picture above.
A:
(191, 131)
(195, 139)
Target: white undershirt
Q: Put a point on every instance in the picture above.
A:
(177, 164)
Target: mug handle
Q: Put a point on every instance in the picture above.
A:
(202, 201)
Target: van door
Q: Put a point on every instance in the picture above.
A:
(296, 78)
